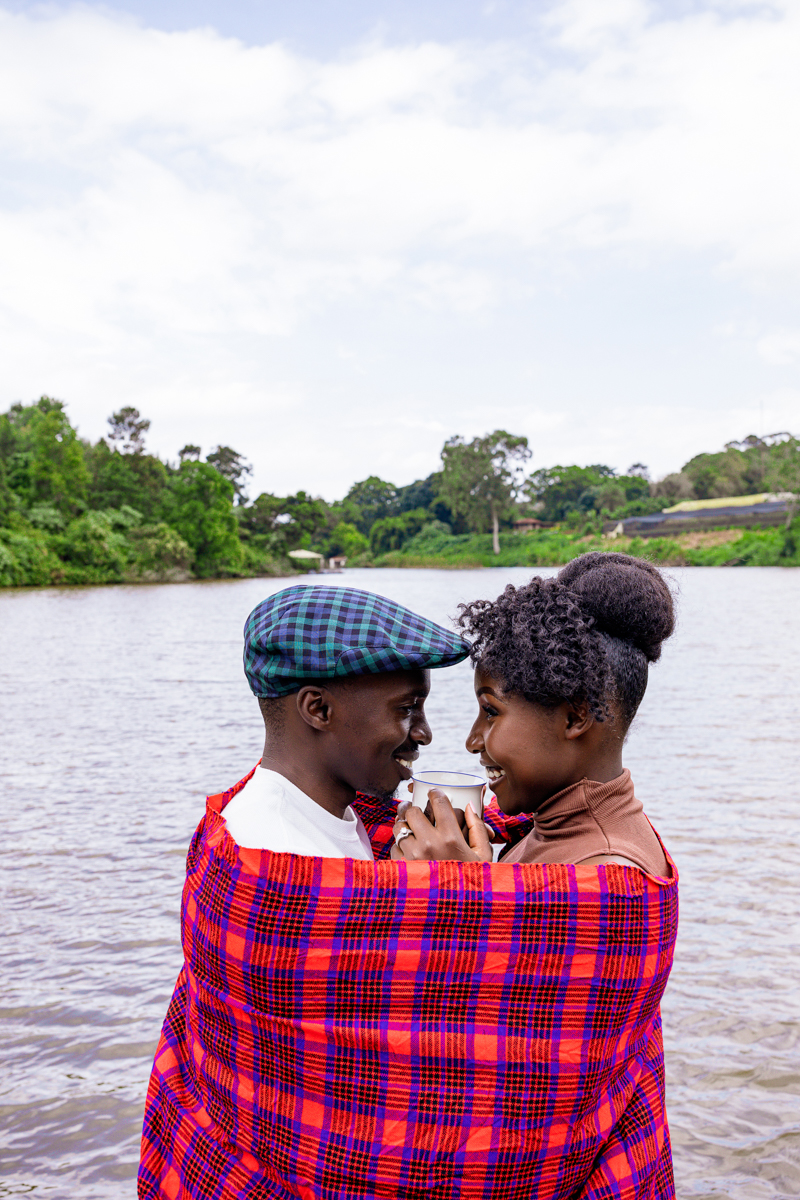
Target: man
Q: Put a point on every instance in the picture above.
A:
(341, 678)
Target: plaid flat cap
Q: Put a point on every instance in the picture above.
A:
(312, 632)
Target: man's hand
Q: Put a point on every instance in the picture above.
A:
(440, 839)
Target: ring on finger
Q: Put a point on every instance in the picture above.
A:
(405, 832)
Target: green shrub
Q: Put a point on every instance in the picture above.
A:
(346, 539)
(44, 516)
(26, 559)
(392, 533)
(752, 548)
(93, 550)
(790, 550)
(643, 506)
(260, 560)
(159, 555)
(433, 547)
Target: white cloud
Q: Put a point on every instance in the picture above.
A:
(780, 347)
(178, 205)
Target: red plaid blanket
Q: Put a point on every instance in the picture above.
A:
(347, 1030)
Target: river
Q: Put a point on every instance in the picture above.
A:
(123, 706)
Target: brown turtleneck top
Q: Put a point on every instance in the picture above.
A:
(588, 819)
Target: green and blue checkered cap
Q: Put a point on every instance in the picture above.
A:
(318, 632)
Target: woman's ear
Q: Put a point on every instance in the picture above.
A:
(579, 721)
(315, 707)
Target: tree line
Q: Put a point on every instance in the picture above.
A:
(72, 511)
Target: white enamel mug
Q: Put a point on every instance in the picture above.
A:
(460, 788)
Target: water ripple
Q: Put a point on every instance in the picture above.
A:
(124, 706)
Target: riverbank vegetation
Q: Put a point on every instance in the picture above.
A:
(74, 512)
(551, 548)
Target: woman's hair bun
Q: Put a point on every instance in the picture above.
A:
(626, 597)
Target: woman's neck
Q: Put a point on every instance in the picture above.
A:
(601, 760)
(603, 770)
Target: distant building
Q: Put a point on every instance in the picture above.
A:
(528, 524)
(309, 558)
(725, 512)
(337, 562)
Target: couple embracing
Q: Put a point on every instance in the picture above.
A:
(384, 1002)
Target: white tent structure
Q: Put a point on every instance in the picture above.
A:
(305, 554)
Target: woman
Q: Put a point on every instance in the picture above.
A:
(561, 667)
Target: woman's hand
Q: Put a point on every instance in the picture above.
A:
(441, 839)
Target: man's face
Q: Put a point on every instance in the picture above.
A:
(379, 726)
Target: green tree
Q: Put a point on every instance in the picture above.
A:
(481, 478)
(607, 496)
(782, 472)
(346, 539)
(128, 427)
(58, 470)
(426, 493)
(635, 486)
(231, 465)
(558, 491)
(372, 498)
(199, 504)
(673, 488)
(743, 468)
(283, 523)
(116, 479)
(8, 445)
(422, 493)
(261, 531)
(722, 474)
(307, 515)
(43, 457)
(260, 519)
(7, 498)
(392, 533)
(621, 495)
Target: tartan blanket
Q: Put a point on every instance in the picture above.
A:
(348, 1030)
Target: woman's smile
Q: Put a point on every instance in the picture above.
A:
(493, 773)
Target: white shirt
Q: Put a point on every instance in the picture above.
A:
(271, 813)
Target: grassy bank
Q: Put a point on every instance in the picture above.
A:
(777, 547)
(111, 547)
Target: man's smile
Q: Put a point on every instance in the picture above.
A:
(406, 762)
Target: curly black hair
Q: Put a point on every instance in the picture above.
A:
(586, 636)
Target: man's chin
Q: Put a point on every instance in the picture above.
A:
(385, 795)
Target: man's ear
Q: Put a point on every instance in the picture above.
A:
(578, 721)
(315, 706)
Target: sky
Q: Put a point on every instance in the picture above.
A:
(331, 235)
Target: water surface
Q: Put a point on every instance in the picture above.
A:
(122, 707)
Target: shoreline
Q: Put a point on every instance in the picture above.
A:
(708, 549)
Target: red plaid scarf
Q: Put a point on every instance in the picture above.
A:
(347, 1030)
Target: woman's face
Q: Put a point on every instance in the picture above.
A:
(521, 745)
